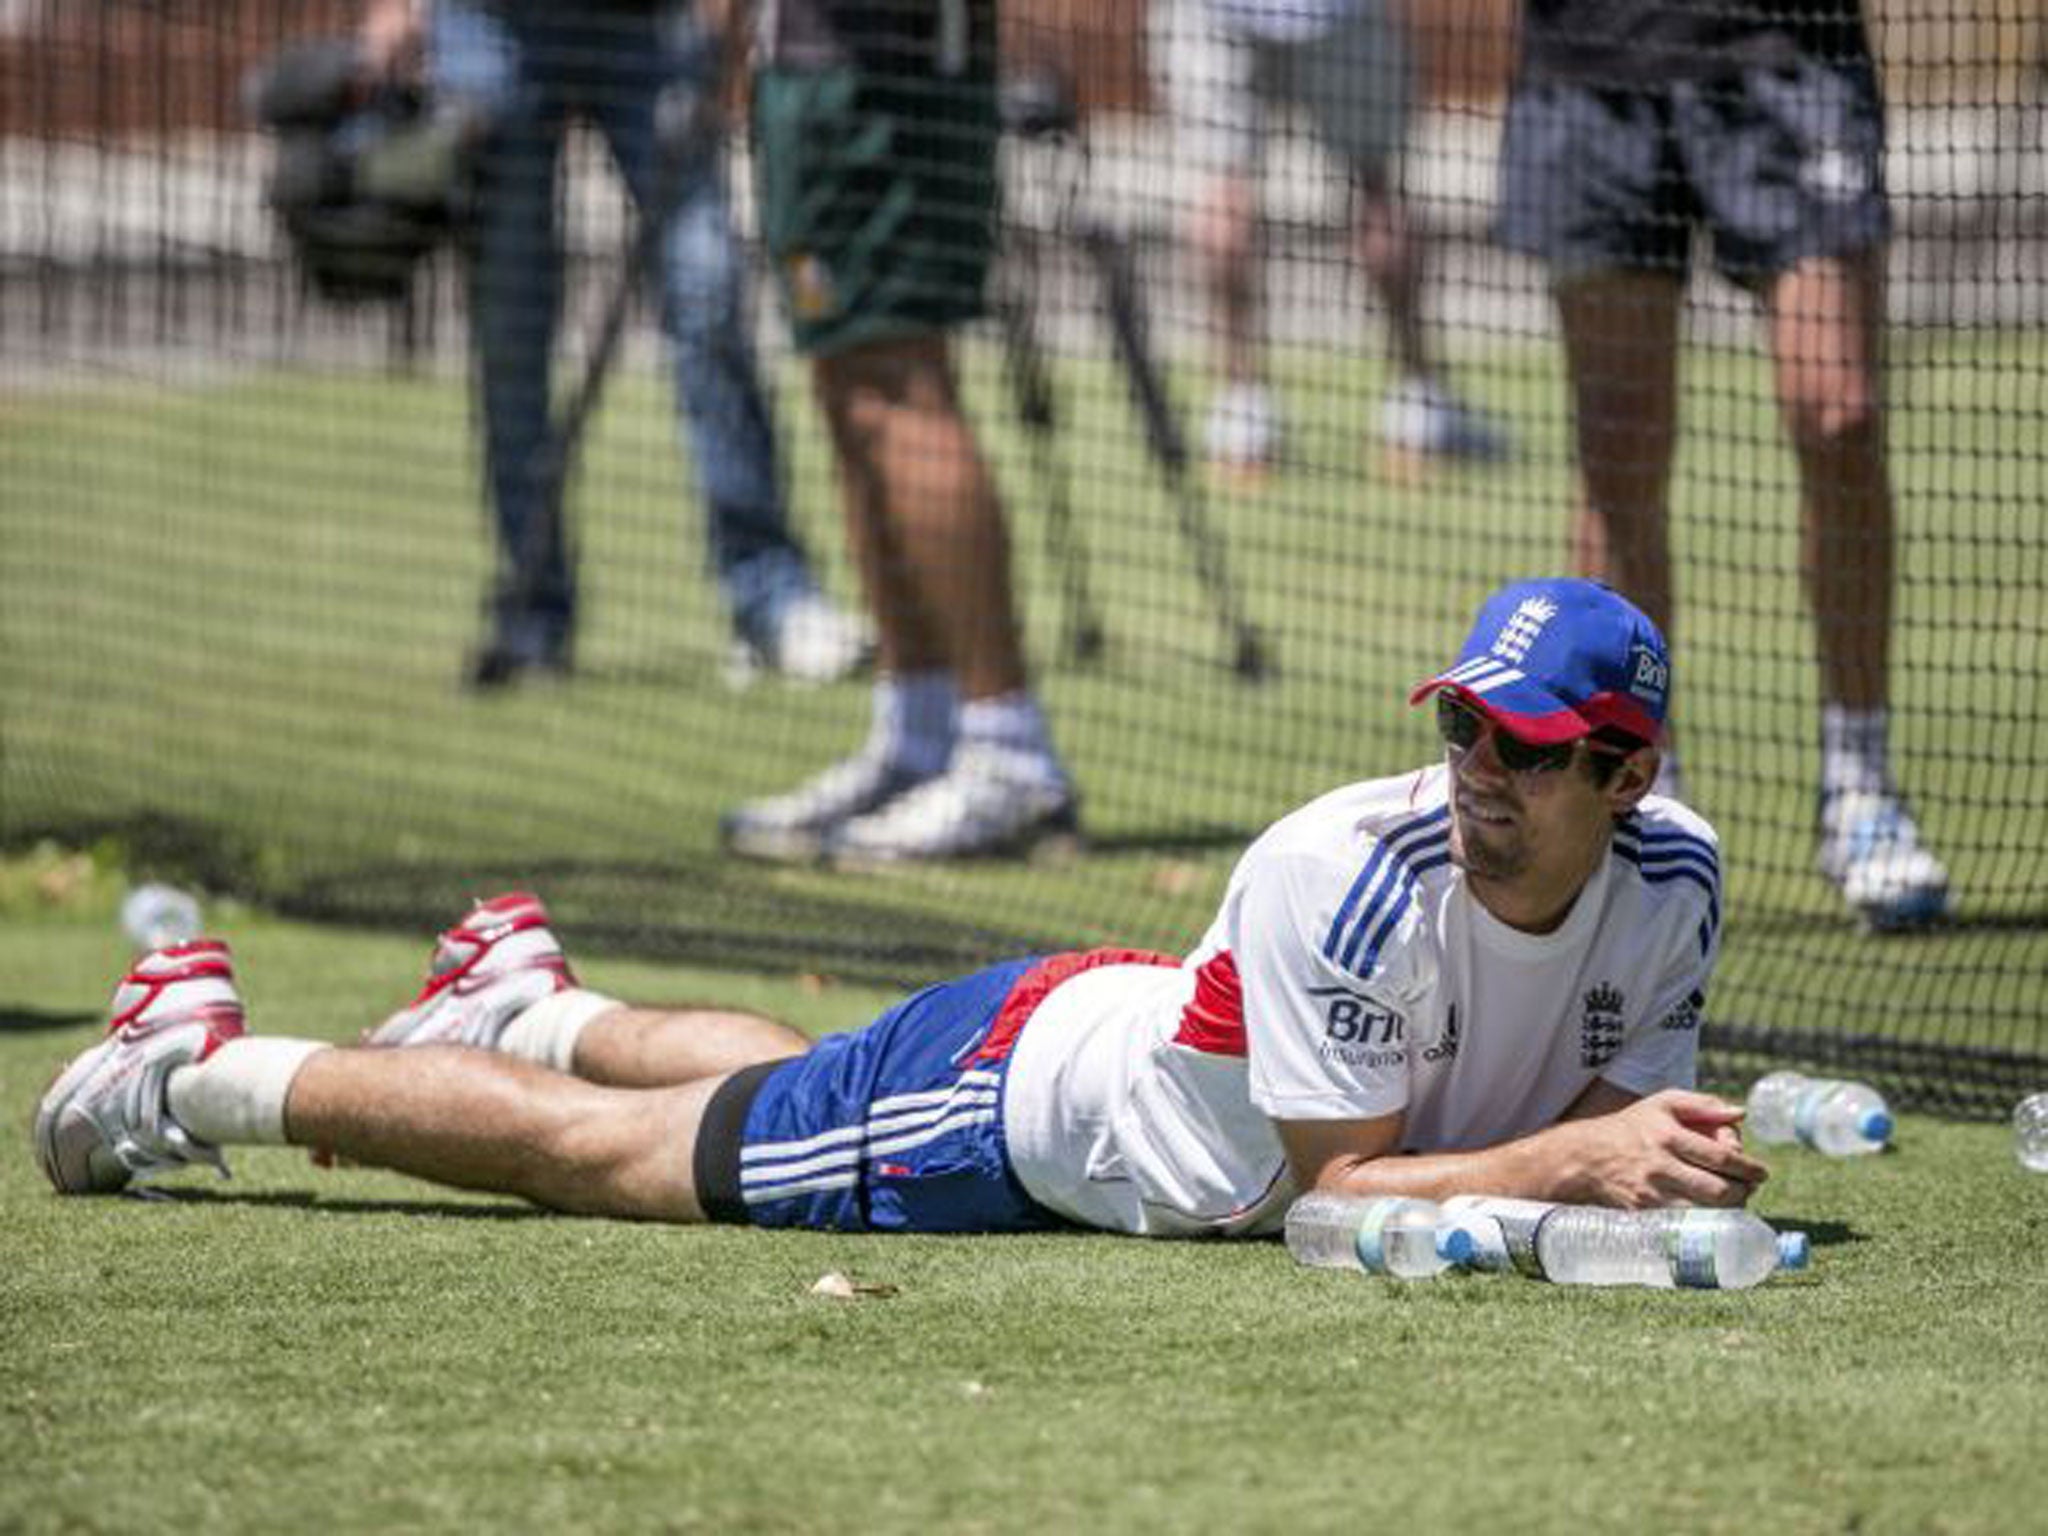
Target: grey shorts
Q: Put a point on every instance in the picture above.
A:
(1774, 165)
(1351, 84)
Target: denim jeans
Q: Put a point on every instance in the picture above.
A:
(531, 67)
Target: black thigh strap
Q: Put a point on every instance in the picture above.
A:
(715, 1161)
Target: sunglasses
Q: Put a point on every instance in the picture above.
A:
(1461, 727)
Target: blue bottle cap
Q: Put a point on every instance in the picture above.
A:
(1876, 1125)
(1454, 1245)
(1794, 1251)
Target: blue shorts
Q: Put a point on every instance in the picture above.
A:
(1775, 165)
(895, 1127)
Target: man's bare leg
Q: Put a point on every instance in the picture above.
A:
(1826, 319)
(1391, 257)
(1621, 355)
(477, 1120)
(923, 515)
(928, 529)
(628, 1047)
(1826, 340)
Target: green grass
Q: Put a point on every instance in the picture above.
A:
(352, 1351)
(231, 616)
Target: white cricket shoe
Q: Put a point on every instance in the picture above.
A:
(1870, 848)
(1242, 434)
(104, 1120)
(814, 641)
(1423, 419)
(486, 971)
(794, 828)
(982, 806)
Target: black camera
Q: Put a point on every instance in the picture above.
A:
(370, 176)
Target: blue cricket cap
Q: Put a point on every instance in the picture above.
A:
(1559, 659)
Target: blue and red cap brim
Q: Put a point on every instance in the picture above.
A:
(1552, 661)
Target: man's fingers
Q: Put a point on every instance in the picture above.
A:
(1700, 1109)
(1685, 1184)
(1715, 1155)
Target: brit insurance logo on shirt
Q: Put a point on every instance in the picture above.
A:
(1359, 1031)
(1600, 1026)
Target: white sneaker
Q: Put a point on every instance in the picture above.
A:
(1870, 848)
(1424, 419)
(794, 828)
(104, 1120)
(815, 641)
(1242, 435)
(486, 971)
(980, 807)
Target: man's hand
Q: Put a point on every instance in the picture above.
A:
(1669, 1148)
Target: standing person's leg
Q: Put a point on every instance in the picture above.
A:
(1790, 163)
(1205, 73)
(1356, 86)
(1826, 318)
(878, 201)
(1620, 332)
(932, 537)
(923, 513)
(482, 57)
(652, 101)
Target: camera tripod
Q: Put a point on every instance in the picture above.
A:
(1038, 107)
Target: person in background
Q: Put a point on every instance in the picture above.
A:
(875, 141)
(1226, 69)
(527, 70)
(1633, 126)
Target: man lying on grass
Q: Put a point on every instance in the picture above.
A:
(1482, 976)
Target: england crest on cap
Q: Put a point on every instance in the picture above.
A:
(1557, 659)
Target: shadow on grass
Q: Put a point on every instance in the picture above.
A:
(1821, 1234)
(16, 1018)
(326, 1205)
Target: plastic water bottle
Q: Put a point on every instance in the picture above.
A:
(2030, 1133)
(1691, 1248)
(158, 916)
(1842, 1119)
(1382, 1235)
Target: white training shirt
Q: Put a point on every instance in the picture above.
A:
(1350, 974)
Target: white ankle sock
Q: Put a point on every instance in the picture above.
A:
(236, 1096)
(1855, 750)
(1013, 726)
(914, 719)
(547, 1032)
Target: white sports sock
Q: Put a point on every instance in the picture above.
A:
(914, 719)
(1012, 726)
(547, 1032)
(236, 1096)
(1855, 750)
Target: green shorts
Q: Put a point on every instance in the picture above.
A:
(877, 200)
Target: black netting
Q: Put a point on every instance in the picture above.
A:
(247, 549)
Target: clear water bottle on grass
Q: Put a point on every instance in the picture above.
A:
(158, 916)
(1382, 1235)
(1691, 1249)
(1839, 1118)
(2030, 1133)
(1687, 1248)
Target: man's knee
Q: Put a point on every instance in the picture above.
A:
(864, 386)
(1832, 416)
